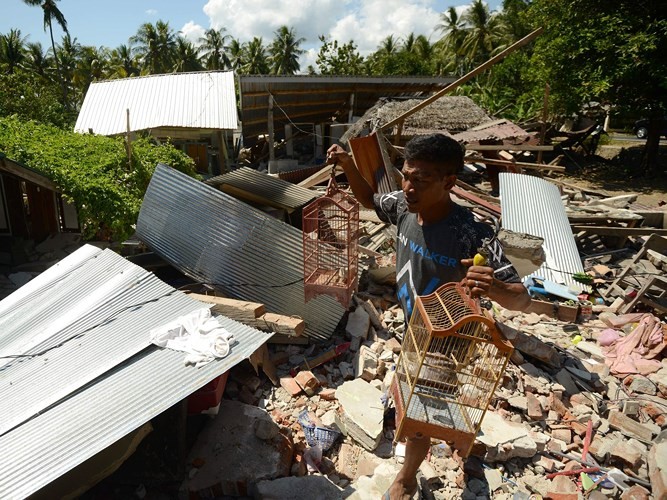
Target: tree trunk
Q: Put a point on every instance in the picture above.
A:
(58, 68)
(649, 164)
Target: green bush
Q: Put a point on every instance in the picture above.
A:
(91, 171)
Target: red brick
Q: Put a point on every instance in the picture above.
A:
(635, 493)
(328, 394)
(562, 488)
(307, 381)
(534, 407)
(290, 385)
(656, 414)
(627, 453)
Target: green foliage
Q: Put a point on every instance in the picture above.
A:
(31, 97)
(92, 171)
(336, 59)
(595, 50)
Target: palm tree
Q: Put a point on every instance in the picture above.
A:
(409, 43)
(214, 50)
(12, 49)
(423, 48)
(123, 62)
(452, 28)
(254, 58)
(389, 46)
(51, 13)
(285, 51)
(155, 47)
(483, 32)
(92, 64)
(37, 60)
(236, 53)
(186, 57)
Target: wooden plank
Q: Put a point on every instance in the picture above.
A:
(620, 231)
(26, 174)
(520, 43)
(238, 310)
(522, 164)
(278, 323)
(507, 147)
(319, 177)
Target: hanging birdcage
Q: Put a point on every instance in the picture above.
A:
(330, 245)
(451, 361)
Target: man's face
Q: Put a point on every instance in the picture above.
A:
(424, 187)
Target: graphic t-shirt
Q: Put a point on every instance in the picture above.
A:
(429, 256)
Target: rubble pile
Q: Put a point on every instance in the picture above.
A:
(561, 423)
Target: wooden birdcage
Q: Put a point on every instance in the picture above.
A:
(330, 245)
(451, 361)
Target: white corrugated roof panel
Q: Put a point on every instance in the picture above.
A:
(77, 370)
(532, 205)
(202, 100)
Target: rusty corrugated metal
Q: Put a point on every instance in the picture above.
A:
(532, 205)
(202, 100)
(252, 185)
(496, 130)
(217, 239)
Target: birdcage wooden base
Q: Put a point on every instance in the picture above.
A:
(406, 427)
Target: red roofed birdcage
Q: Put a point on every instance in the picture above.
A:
(330, 245)
(451, 361)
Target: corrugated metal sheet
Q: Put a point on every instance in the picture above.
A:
(79, 372)
(317, 99)
(534, 206)
(262, 187)
(202, 100)
(219, 240)
(495, 130)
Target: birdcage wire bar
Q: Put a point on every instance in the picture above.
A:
(451, 361)
(331, 245)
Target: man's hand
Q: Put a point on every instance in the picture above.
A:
(361, 189)
(478, 278)
(336, 154)
(481, 281)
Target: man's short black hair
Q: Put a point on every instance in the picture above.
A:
(439, 149)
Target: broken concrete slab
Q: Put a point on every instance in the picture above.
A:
(233, 457)
(358, 323)
(363, 412)
(505, 439)
(657, 465)
(297, 488)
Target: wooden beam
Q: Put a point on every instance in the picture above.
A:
(620, 231)
(253, 314)
(319, 177)
(526, 39)
(522, 164)
(27, 174)
(239, 310)
(507, 147)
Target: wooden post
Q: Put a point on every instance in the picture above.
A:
(222, 152)
(526, 39)
(128, 142)
(351, 113)
(545, 113)
(272, 153)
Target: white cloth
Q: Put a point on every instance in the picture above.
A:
(198, 334)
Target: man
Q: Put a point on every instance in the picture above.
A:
(436, 242)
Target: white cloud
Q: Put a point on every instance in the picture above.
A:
(192, 32)
(151, 12)
(366, 22)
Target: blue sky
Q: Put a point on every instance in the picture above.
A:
(111, 23)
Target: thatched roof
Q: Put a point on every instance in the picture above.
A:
(450, 114)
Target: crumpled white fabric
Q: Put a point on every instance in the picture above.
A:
(198, 334)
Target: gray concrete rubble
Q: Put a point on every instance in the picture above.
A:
(241, 446)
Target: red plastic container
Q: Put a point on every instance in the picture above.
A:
(208, 396)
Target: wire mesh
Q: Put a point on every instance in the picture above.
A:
(330, 245)
(451, 361)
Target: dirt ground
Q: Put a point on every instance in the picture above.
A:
(613, 171)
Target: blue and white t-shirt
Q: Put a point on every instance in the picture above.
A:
(429, 256)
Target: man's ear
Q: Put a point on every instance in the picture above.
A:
(450, 181)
